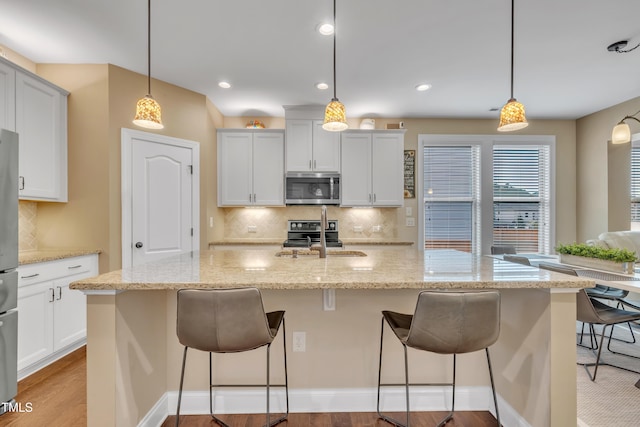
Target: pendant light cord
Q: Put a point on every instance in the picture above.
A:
(149, 47)
(334, 50)
(512, 19)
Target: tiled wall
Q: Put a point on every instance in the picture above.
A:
(27, 214)
(271, 223)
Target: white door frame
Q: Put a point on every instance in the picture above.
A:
(127, 137)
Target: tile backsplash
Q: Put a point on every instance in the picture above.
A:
(271, 223)
(27, 216)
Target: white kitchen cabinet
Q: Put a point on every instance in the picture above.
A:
(250, 167)
(37, 110)
(372, 168)
(52, 318)
(310, 148)
(7, 97)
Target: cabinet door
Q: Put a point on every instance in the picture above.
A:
(41, 124)
(69, 314)
(356, 169)
(387, 169)
(235, 168)
(326, 149)
(299, 148)
(268, 169)
(35, 311)
(7, 97)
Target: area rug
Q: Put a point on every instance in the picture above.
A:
(612, 399)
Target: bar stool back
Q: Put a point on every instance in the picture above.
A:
(227, 321)
(445, 322)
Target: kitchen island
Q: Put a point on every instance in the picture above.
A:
(133, 356)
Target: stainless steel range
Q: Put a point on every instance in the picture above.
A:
(303, 233)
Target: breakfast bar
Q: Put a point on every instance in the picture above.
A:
(133, 355)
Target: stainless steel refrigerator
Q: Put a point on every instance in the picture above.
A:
(8, 265)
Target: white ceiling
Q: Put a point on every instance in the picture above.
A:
(272, 54)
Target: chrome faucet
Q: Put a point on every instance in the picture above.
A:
(324, 224)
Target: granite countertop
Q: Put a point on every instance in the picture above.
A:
(257, 242)
(32, 257)
(381, 268)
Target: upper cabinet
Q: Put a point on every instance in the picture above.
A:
(372, 168)
(310, 148)
(250, 167)
(37, 111)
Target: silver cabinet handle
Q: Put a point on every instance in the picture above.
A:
(21, 183)
(74, 266)
(53, 294)
(309, 164)
(369, 197)
(59, 293)
(254, 197)
(30, 276)
(374, 197)
(249, 197)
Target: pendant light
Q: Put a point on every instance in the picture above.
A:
(512, 114)
(621, 133)
(148, 113)
(335, 116)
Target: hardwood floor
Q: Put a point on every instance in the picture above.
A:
(57, 396)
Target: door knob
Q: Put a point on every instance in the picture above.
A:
(138, 245)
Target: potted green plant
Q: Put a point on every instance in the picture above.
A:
(611, 259)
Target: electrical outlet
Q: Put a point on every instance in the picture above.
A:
(299, 341)
(377, 228)
(357, 229)
(211, 222)
(252, 228)
(411, 222)
(329, 299)
(408, 211)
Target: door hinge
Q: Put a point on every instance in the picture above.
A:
(190, 169)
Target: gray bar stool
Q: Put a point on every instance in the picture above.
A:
(228, 321)
(445, 322)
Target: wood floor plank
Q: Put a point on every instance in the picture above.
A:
(58, 397)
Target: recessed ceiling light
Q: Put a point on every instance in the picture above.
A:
(224, 85)
(322, 86)
(325, 29)
(422, 87)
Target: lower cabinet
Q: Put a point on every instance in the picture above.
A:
(52, 318)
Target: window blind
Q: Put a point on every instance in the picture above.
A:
(452, 197)
(635, 183)
(521, 197)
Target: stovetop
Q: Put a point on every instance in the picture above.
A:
(299, 232)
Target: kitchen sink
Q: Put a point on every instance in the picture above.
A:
(310, 253)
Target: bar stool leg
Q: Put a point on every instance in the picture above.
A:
(493, 387)
(184, 360)
(406, 381)
(453, 400)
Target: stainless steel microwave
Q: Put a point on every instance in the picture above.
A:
(308, 188)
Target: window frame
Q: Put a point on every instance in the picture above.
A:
(486, 143)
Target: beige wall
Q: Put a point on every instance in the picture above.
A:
(102, 101)
(602, 172)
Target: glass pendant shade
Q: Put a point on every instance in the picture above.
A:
(148, 113)
(335, 117)
(512, 117)
(621, 134)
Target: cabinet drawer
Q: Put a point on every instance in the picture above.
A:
(44, 271)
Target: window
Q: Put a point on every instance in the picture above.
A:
(512, 174)
(521, 197)
(635, 185)
(451, 197)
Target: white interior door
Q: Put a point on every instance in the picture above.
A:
(163, 198)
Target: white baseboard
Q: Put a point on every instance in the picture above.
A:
(33, 368)
(252, 401)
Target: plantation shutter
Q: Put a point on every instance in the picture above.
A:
(635, 183)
